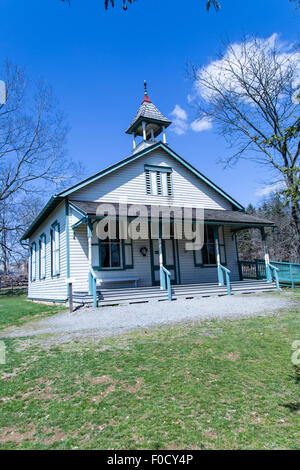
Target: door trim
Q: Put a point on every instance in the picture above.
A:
(156, 268)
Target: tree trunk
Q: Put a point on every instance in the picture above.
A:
(295, 217)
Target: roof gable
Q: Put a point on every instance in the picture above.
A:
(138, 155)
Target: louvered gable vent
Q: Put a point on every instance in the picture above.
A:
(158, 180)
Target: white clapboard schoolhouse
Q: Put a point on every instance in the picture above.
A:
(64, 245)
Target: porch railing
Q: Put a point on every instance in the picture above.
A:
(288, 273)
(253, 269)
(165, 280)
(93, 287)
(274, 275)
(223, 275)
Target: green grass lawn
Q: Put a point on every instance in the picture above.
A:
(218, 385)
(15, 310)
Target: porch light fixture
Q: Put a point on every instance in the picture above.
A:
(144, 251)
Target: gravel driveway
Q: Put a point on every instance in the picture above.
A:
(111, 321)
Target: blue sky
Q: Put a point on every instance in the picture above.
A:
(96, 62)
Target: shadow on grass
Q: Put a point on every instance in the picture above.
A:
(294, 406)
(296, 377)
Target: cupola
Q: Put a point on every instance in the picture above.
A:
(148, 123)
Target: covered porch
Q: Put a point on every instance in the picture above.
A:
(124, 269)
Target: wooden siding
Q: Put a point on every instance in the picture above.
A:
(50, 288)
(79, 266)
(129, 182)
(191, 273)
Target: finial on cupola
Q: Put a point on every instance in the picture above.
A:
(146, 97)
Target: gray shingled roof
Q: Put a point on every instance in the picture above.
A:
(210, 215)
(150, 112)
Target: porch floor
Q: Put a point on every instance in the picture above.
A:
(119, 295)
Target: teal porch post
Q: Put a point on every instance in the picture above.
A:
(160, 254)
(266, 254)
(67, 213)
(92, 277)
(89, 234)
(218, 258)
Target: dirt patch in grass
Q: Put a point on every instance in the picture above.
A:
(233, 356)
(13, 434)
(133, 388)
(55, 435)
(105, 379)
(42, 391)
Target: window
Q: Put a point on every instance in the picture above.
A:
(208, 250)
(55, 249)
(42, 258)
(33, 261)
(207, 255)
(112, 253)
(222, 245)
(158, 180)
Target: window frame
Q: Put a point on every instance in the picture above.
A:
(42, 240)
(99, 267)
(55, 227)
(124, 244)
(123, 264)
(33, 250)
(205, 246)
(158, 171)
(223, 245)
(110, 242)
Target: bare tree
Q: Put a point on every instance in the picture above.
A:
(32, 136)
(15, 217)
(281, 242)
(215, 3)
(251, 94)
(297, 2)
(33, 160)
(209, 3)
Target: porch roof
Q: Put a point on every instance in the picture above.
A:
(214, 216)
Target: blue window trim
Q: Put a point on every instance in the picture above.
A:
(149, 182)
(124, 244)
(158, 170)
(41, 240)
(223, 262)
(171, 183)
(55, 226)
(158, 177)
(124, 265)
(165, 169)
(33, 250)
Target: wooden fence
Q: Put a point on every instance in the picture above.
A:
(13, 283)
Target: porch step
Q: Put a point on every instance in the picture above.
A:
(131, 290)
(116, 296)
